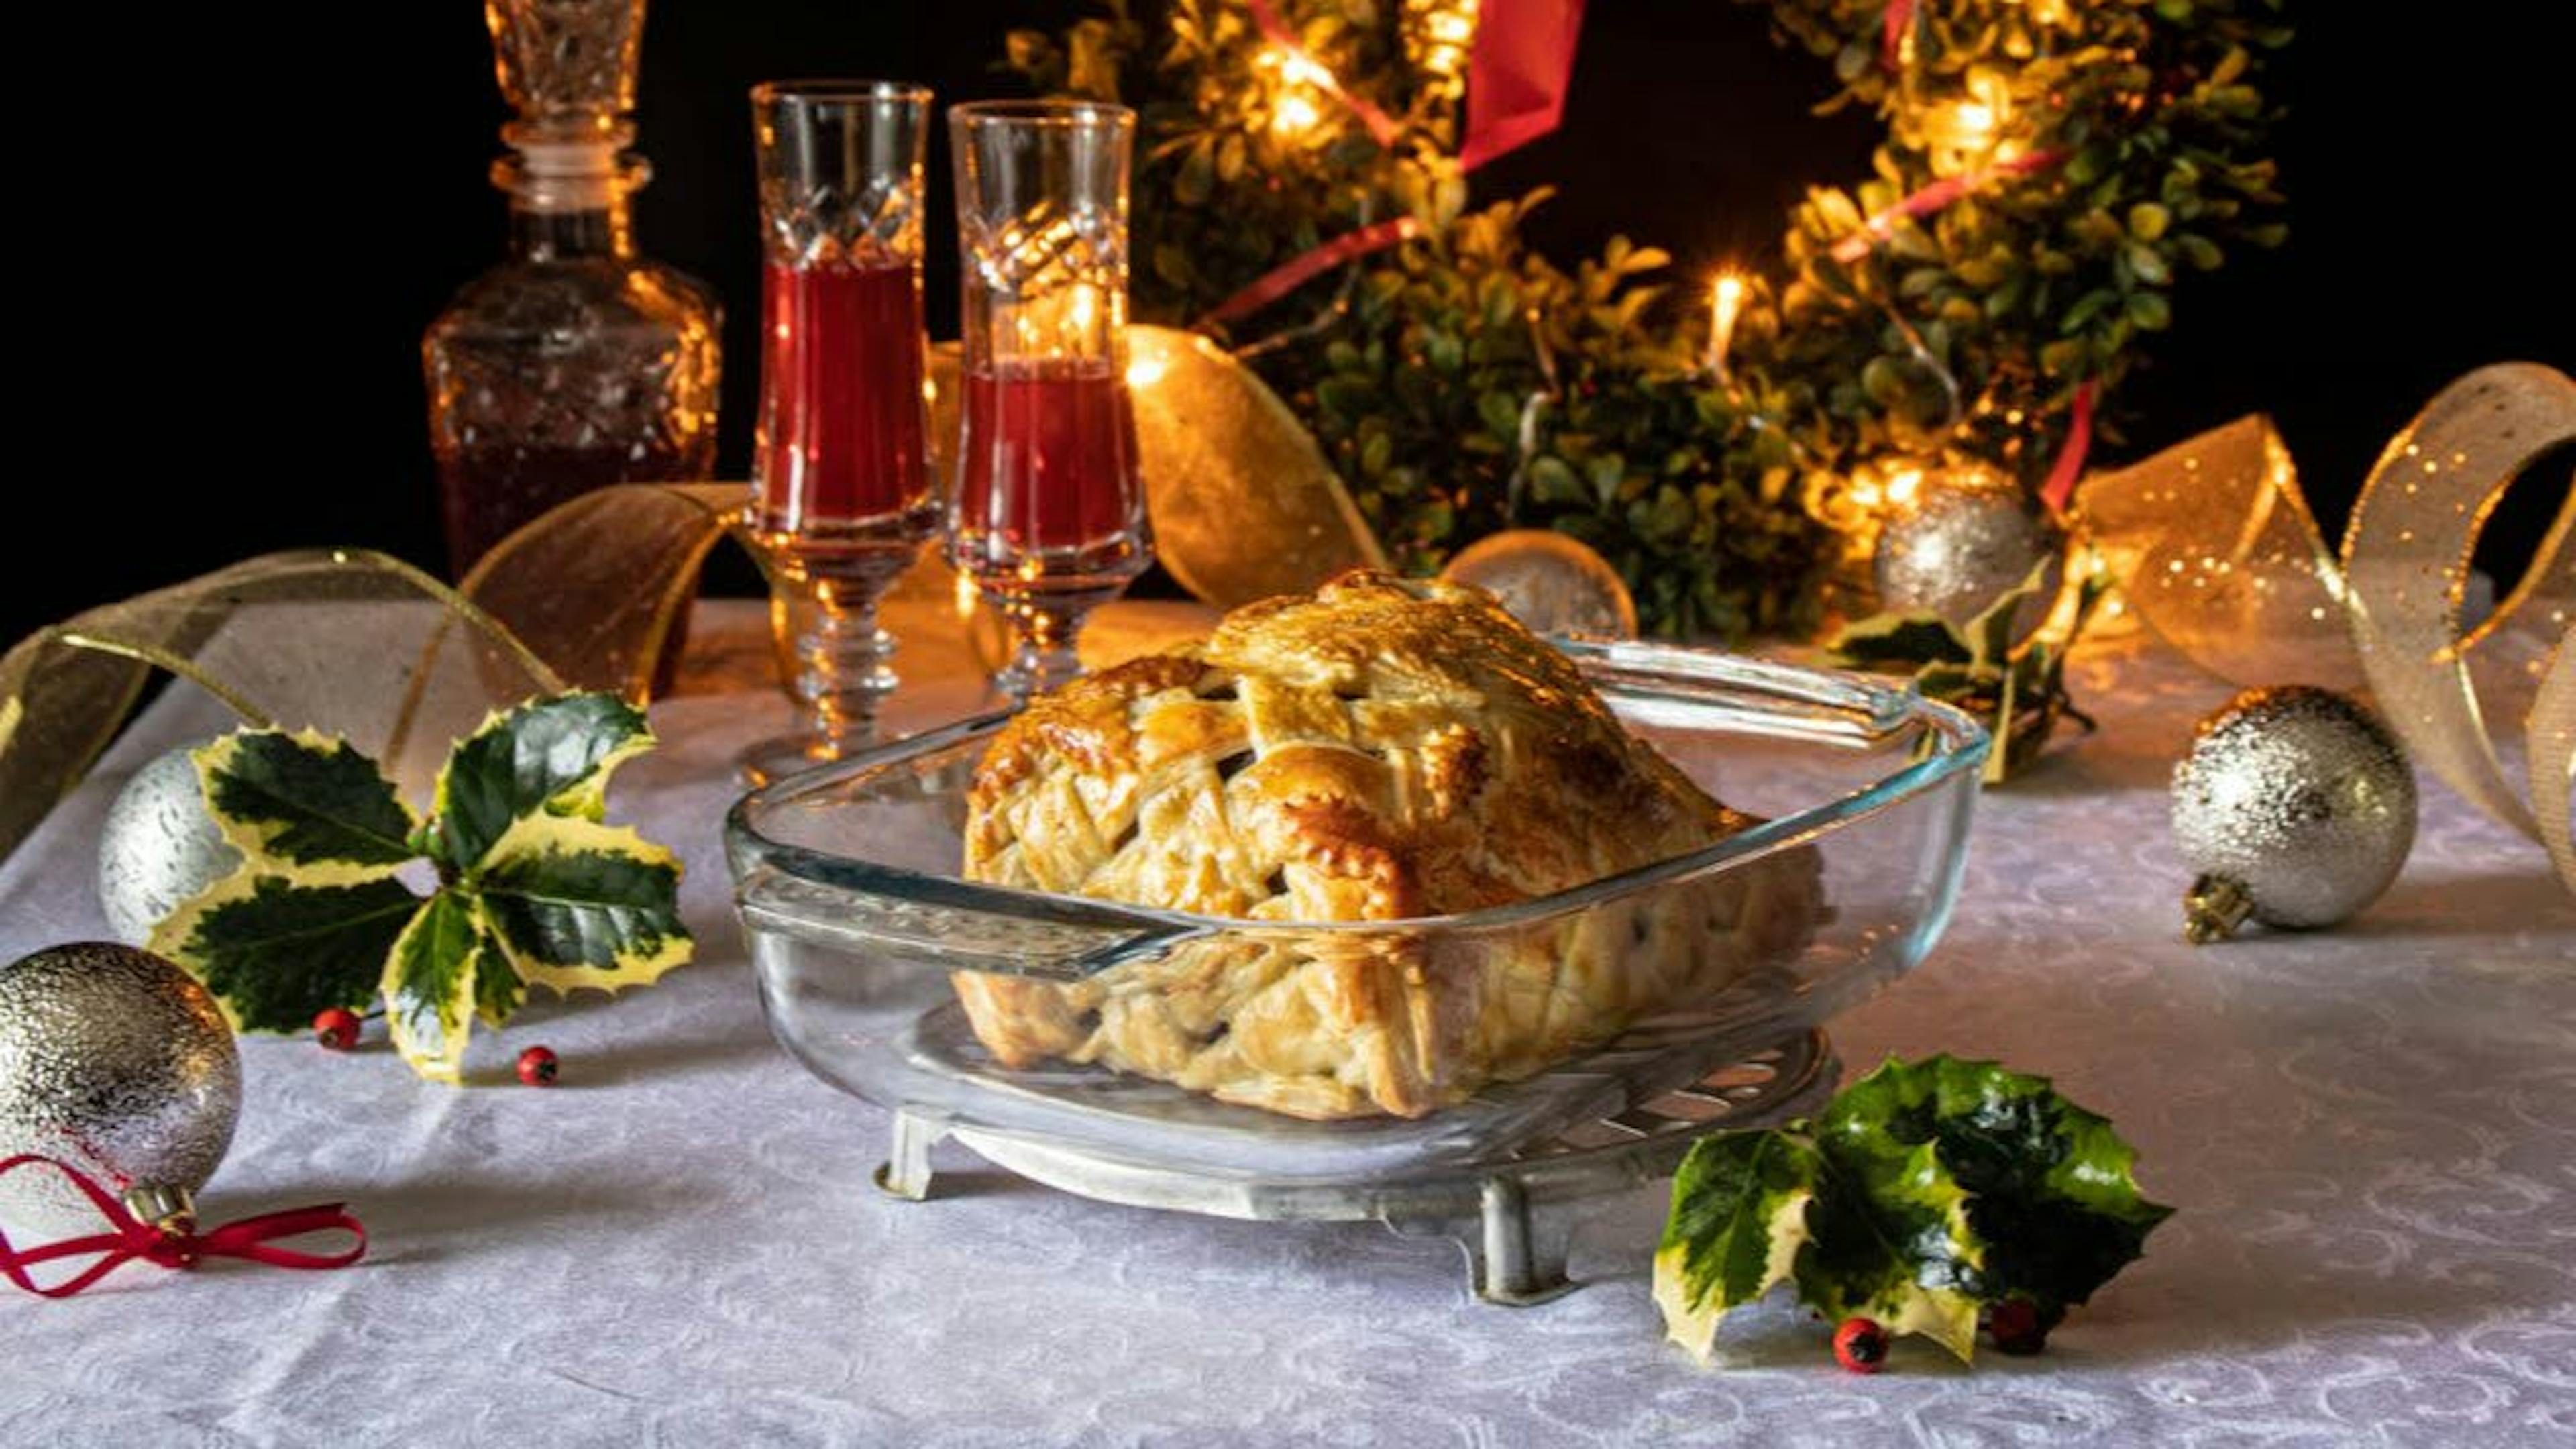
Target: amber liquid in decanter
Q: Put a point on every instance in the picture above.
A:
(573, 365)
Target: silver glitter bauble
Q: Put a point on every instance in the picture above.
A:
(1968, 534)
(116, 1062)
(158, 848)
(2295, 806)
(1548, 581)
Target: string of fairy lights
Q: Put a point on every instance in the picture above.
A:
(1970, 141)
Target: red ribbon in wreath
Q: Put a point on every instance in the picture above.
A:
(250, 1239)
(2059, 490)
(1518, 71)
(1898, 19)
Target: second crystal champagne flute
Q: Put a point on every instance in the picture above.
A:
(844, 495)
(1048, 513)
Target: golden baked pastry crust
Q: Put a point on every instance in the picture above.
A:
(1383, 749)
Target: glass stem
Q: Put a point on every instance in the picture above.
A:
(1045, 623)
(836, 653)
(846, 674)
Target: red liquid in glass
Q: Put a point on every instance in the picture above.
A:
(1047, 460)
(841, 406)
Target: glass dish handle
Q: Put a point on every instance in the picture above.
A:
(1048, 939)
(1750, 695)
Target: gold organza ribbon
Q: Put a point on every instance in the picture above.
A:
(356, 643)
(2217, 551)
(600, 587)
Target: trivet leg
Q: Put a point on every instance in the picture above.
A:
(1519, 1259)
(906, 1173)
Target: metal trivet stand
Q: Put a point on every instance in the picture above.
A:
(1514, 1216)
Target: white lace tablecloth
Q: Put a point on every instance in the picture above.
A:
(2370, 1135)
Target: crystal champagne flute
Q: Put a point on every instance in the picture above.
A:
(1048, 512)
(843, 496)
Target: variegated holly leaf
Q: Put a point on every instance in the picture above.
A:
(1739, 1219)
(305, 807)
(274, 951)
(547, 757)
(1900, 641)
(498, 991)
(1889, 1239)
(1990, 634)
(2053, 1199)
(428, 985)
(534, 888)
(575, 903)
(1923, 1192)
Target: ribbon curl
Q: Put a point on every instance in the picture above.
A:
(250, 1239)
(2215, 547)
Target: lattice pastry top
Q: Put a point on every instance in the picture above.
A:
(1382, 749)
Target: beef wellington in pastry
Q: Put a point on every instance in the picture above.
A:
(1379, 750)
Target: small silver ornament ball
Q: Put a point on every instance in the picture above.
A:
(158, 848)
(116, 1062)
(2295, 806)
(1969, 533)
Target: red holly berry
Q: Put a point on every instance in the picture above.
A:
(2015, 1327)
(1860, 1345)
(537, 1066)
(336, 1027)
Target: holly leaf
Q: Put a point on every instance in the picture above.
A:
(547, 757)
(305, 807)
(1922, 1192)
(275, 952)
(1903, 641)
(498, 989)
(1738, 1224)
(1890, 1238)
(575, 903)
(1990, 634)
(2054, 1194)
(428, 985)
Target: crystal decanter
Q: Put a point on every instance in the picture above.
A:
(575, 363)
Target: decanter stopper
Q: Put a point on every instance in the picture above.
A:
(567, 66)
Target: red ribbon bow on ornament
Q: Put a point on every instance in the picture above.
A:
(248, 1239)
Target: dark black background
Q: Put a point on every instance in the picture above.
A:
(260, 219)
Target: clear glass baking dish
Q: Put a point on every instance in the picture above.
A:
(846, 879)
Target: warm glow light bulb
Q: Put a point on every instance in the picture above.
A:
(1726, 304)
(1301, 69)
(1294, 115)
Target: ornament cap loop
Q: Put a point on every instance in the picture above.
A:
(2213, 908)
(171, 1211)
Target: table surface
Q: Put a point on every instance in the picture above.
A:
(2370, 1135)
